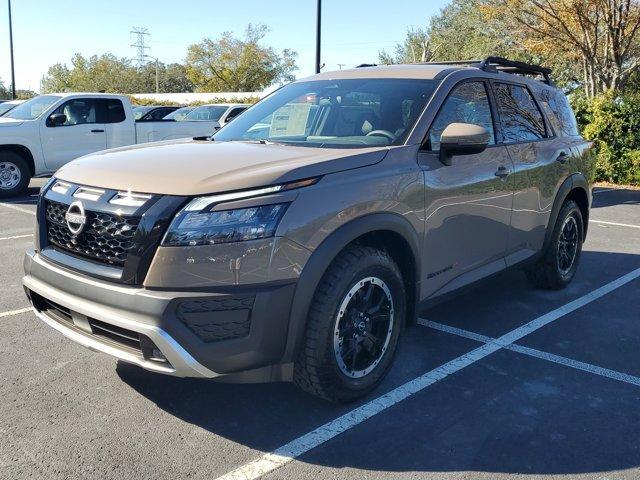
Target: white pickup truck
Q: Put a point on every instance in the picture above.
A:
(42, 134)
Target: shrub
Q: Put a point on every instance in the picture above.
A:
(149, 101)
(612, 122)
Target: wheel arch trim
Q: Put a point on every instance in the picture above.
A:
(325, 253)
(575, 181)
(24, 152)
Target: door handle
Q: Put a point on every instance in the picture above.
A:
(97, 131)
(502, 171)
(562, 157)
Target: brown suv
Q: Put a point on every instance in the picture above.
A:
(300, 240)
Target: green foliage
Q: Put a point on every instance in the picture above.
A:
(462, 32)
(114, 75)
(226, 64)
(231, 64)
(4, 92)
(149, 101)
(416, 48)
(612, 122)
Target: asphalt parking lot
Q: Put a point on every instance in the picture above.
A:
(501, 381)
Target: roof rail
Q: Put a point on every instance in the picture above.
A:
(365, 65)
(494, 64)
(454, 62)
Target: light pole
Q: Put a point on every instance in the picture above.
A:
(157, 78)
(13, 74)
(318, 29)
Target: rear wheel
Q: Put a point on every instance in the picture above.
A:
(14, 174)
(353, 326)
(559, 262)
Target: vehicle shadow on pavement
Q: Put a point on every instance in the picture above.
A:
(507, 413)
(30, 197)
(616, 197)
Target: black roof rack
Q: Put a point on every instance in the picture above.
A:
(500, 64)
(494, 64)
(511, 66)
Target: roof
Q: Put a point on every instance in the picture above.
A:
(428, 71)
(418, 71)
(228, 105)
(86, 94)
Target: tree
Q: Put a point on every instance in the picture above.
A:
(416, 48)
(4, 93)
(600, 37)
(463, 32)
(233, 64)
(116, 75)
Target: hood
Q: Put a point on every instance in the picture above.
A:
(10, 122)
(202, 167)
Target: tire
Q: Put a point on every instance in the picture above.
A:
(361, 279)
(552, 271)
(14, 174)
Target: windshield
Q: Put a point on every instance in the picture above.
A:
(32, 109)
(139, 112)
(335, 113)
(5, 107)
(207, 112)
(179, 114)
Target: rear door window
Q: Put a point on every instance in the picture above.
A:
(467, 103)
(520, 117)
(111, 111)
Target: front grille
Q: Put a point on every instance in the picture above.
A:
(106, 238)
(116, 334)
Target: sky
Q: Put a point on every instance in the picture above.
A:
(46, 32)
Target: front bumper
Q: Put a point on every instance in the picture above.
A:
(163, 331)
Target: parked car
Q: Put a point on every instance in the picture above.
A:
(152, 113)
(9, 105)
(42, 134)
(303, 254)
(222, 113)
(179, 114)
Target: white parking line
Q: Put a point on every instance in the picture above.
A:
(18, 209)
(532, 352)
(15, 312)
(16, 237)
(614, 223)
(287, 453)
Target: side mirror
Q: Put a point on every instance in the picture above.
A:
(57, 119)
(462, 139)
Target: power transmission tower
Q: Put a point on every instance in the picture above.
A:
(340, 65)
(140, 44)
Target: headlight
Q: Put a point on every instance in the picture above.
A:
(191, 228)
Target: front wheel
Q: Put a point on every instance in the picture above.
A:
(14, 175)
(353, 326)
(559, 261)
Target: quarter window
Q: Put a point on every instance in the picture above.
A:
(558, 111)
(520, 117)
(467, 103)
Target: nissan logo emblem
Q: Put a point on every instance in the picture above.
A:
(75, 217)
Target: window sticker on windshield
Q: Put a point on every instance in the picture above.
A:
(290, 120)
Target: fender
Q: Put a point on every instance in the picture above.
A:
(324, 255)
(23, 146)
(573, 181)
